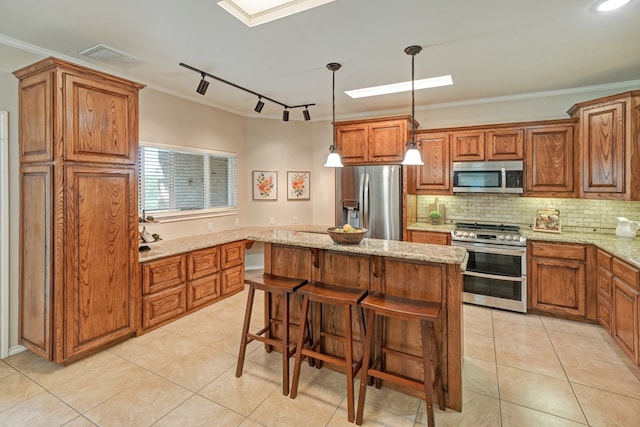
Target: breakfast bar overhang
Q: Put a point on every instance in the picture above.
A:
(416, 271)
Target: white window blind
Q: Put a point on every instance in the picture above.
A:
(176, 180)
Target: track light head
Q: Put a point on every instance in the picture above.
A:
(202, 86)
(259, 105)
(285, 115)
(306, 114)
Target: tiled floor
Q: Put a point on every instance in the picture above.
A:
(518, 371)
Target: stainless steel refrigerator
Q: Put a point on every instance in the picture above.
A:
(371, 197)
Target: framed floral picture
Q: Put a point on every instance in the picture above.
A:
(265, 185)
(298, 185)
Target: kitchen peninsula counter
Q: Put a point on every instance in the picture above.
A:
(417, 271)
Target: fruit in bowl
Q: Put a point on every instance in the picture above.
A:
(347, 228)
(347, 234)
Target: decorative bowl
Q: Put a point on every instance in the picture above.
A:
(345, 238)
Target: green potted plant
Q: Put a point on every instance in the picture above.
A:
(435, 217)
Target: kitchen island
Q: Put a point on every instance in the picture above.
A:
(410, 270)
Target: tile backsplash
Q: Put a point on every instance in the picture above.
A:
(581, 215)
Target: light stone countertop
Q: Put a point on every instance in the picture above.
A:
(626, 249)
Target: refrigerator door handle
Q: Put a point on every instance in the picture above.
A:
(365, 205)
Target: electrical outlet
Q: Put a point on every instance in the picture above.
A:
(272, 220)
(210, 227)
(295, 219)
(237, 222)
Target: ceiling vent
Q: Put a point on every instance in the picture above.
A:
(104, 53)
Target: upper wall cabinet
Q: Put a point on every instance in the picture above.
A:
(380, 140)
(492, 144)
(609, 141)
(549, 160)
(435, 176)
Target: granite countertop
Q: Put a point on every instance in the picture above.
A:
(626, 249)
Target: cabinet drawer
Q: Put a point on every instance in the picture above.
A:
(163, 306)
(203, 262)
(630, 275)
(604, 260)
(559, 250)
(232, 254)
(604, 312)
(202, 291)
(433, 238)
(233, 280)
(604, 282)
(162, 274)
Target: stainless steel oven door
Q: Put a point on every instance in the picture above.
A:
(495, 276)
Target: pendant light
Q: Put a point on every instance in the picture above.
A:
(333, 159)
(412, 156)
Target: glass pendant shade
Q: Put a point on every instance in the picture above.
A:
(333, 160)
(412, 157)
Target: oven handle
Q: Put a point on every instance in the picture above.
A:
(513, 250)
(494, 276)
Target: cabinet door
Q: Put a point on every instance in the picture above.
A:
(232, 254)
(352, 143)
(203, 290)
(603, 154)
(101, 257)
(505, 144)
(203, 262)
(558, 285)
(163, 273)
(36, 117)
(163, 306)
(430, 237)
(467, 146)
(435, 176)
(549, 161)
(232, 280)
(387, 141)
(625, 318)
(101, 121)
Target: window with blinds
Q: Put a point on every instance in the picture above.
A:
(180, 181)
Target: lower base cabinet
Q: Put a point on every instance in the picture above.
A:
(432, 237)
(179, 284)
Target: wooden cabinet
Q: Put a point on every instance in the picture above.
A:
(78, 133)
(604, 285)
(490, 144)
(380, 140)
(625, 296)
(549, 161)
(557, 278)
(609, 143)
(433, 237)
(467, 146)
(180, 284)
(435, 176)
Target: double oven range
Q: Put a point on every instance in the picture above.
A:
(496, 273)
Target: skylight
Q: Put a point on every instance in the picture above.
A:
(253, 12)
(400, 87)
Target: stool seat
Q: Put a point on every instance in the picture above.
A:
(271, 285)
(342, 298)
(402, 308)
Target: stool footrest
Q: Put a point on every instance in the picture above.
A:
(410, 356)
(395, 378)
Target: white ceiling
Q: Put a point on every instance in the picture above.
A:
(492, 48)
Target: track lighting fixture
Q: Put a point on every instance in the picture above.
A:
(259, 105)
(412, 156)
(204, 84)
(333, 159)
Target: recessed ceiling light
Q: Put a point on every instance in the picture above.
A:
(253, 13)
(400, 87)
(608, 5)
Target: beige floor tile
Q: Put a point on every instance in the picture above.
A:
(480, 325)
(480, 376)
(546, 394)
(249, 391)
(16, 388)
(604, 409)
(313, 406)
(567, 344)
(158, 353)
(229, 342)
(372, 416)
(98, 383)
(610, 377)
(6, 369)
(248, 422)
(479, 346)
(537, 357)
(519, 318)
(477, 411)
(198, 368)
(200, 412)
(142, 404)
(577, 328)
(519, 416)
(80, 421)
(476, 310)
(392, 401)
(42, 410)
(509, 332)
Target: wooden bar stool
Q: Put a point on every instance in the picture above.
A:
(271, 285)
(340, 297)
(378, 307)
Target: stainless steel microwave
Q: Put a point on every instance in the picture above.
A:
(487, 177)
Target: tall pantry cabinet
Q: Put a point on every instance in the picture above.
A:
(78, 209)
